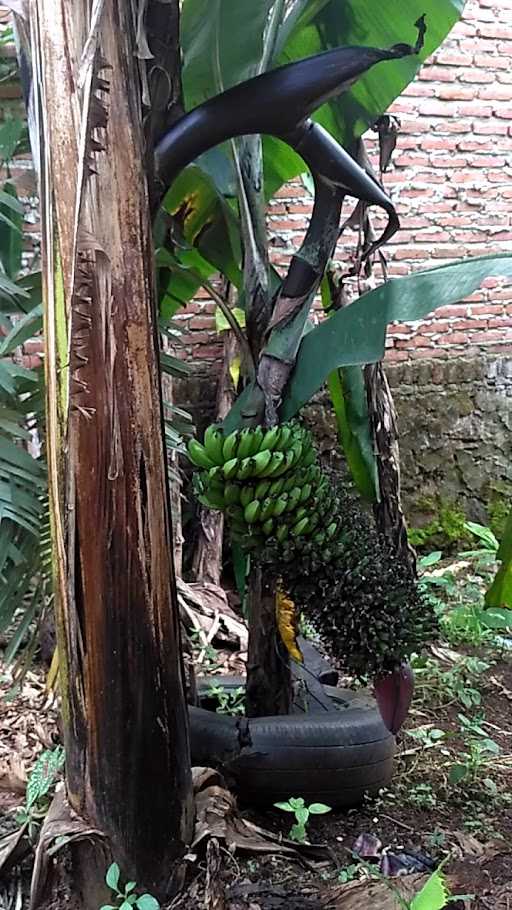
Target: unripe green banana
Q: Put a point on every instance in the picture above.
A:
(276, 462)
(289, 483)
(320, 538)
(230, 446)
(293, 499)
(261, 462)
(245, 443)
(314, 521)
(331, 529)
(284, 438)
(300, 513)
(305, 492)
(246, 496)
(213, 443)
(282, 533)
(280, 505)
(246, 469)
(252, 511)
(267, 508)
(300, 528)
(270, 439)
(212, 500)
(230, 468)
(256, 439)
(276, 487)
(232, 494)
(298, 451)
(215, 474)
(268, 527)
(309, 458)
(262, 489)
(286, 462)
(198, 455)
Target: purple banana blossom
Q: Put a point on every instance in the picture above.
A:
(393, 692)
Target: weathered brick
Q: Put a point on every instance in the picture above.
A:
(490, 61)
(477, 76)
(495, 93)
(475, 109)
(452, 58)
(457, 93)
(494, 30)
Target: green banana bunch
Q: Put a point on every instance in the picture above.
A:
(269, 484)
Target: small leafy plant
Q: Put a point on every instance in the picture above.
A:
(429, 737)
(442, 686)
(40, 786)
(205, 655)
(487, 551)
(422, 796)
(302, 813)
(126, 898)
(349, 873)
(229, 702)
(479, 753)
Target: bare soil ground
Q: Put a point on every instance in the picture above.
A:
(424, 818)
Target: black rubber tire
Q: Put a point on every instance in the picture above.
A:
(335, 758)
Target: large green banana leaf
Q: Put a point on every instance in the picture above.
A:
(500, 593)
(348, 396)
(222, 43)
(324, 24)
(356, 334)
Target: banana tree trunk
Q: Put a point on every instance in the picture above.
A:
(121, 674)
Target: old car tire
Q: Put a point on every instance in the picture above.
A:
(334, 757)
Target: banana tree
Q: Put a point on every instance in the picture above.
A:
(214, 232)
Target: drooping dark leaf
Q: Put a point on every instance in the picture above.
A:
(322, 25)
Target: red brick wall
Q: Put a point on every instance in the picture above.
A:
(451, 180)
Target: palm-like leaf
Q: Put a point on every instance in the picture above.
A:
(23, 509)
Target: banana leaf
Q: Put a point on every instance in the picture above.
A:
(321, 25)
(222, 42)
(500, 593)
(356, 334)
(348, 397)
(208, 226)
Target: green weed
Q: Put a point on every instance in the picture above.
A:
(302, 814)
(125, 898)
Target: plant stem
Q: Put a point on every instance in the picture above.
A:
(242, 340)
